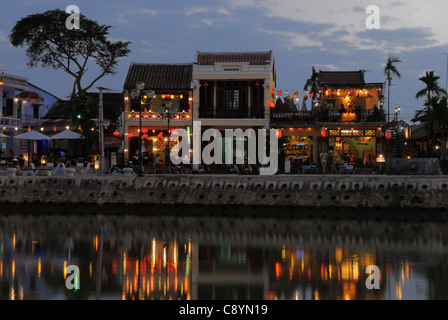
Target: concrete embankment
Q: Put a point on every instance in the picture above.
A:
(343, 191)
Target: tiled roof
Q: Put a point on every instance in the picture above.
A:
(113, 104)
(159, 76)
(254, 58)
(340, 78)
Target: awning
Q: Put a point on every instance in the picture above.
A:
(30, 96)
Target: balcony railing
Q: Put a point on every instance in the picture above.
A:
(155, 116)
(330, 116)
(10, 122)
(228, 113)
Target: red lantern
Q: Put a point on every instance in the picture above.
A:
(388, 134)
(130, 135)
(279, 93)
(312, 94)
(116, 133)
(296, 94)
(145, 136)
(323, 132)
(271, 105)
(145, 130)
(279, 134)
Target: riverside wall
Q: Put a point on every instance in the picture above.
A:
(345, 191)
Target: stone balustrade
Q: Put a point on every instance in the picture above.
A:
(348, 191)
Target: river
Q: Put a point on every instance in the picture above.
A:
(141, 253)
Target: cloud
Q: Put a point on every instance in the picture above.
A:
(208, 22)
(196, 10)
(346, 23)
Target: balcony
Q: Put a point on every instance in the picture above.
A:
(10, 122)
(228, 113)
(157, 117)
(329, 116)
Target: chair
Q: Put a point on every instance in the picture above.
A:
(86, 169)
(58, 168)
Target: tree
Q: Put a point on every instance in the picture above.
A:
(435, 118)
(312, 85)
(81, 112)
(432, 86)
(390, 70)
(50, 44)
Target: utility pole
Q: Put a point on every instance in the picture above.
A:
(101, 130)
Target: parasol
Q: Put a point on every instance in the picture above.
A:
(67, 134)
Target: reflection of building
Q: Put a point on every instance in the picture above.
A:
(337, 274)
(171, 83)
(347, 117)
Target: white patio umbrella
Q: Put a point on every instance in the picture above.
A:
(4, 136)
(31, 135)
(67, 134)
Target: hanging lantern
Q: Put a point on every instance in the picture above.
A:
(116, 133)
(279, 93)
(323, 132)
(296, 94)
(130, 135)
(145, 136)
(145, 130)
(312, 94)
(388, 134)
(271, 104)
(279, 134)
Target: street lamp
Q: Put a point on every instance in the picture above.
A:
(397, 111)
(137, 94)
(168, 114)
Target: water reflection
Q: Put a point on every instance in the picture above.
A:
(220, 258)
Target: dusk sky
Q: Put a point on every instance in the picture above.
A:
(328, 34)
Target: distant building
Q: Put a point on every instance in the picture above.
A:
(171, 83)
(346, 117)
(23, 104)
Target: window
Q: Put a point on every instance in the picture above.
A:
(232, 99)
(231, 69)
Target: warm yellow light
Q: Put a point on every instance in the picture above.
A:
(41, 129)
(125, 150)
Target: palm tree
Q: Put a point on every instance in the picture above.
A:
(435, 117)
(432, 87)
(312, 85)
(390, 69)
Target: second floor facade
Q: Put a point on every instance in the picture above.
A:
(341, 97)
(233, 86)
